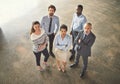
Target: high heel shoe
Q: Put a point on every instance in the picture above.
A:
(63, 69)
(46, 65)
(59, 69)
(40, 69)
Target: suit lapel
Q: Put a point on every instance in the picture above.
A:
(88, 37)
(82, 36)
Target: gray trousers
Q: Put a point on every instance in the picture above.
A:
(85, 61)
(74, 35)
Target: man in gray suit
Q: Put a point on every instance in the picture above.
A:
(84, 42)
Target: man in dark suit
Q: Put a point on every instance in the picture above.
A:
(84, 42)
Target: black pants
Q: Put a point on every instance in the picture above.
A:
(38, 56)
(51, 39)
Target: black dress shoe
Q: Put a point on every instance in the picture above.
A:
(73, 65)
(72, 57)
(82, 74)
(52, 54)
(71, 50)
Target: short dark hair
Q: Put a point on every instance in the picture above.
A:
(63, 26)
(80, 6)
(52, 6)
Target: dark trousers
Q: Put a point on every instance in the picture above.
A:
(38, 56)
(51, 39)
(85, 61)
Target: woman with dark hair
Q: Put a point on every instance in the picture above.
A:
(62, 43)
(39, 39)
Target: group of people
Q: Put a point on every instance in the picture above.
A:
(44, 34)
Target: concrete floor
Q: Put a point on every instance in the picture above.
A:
(17, 62)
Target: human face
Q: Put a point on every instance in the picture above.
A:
(51, 11)
(87, 29)
(63, 32)
(36, 27)
(79, 11)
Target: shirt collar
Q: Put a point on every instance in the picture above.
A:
(79, 15)
(49, 16)
(64, 37)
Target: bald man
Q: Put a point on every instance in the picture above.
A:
(84, 41)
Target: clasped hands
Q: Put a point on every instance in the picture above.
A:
(42, 46)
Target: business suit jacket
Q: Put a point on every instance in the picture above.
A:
(84, 47)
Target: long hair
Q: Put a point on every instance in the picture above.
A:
(32, 29)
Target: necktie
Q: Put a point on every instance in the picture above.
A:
(85, 36)
(50, 24)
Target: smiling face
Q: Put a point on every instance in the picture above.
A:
(87, 28)
(63, 32)
(79, 11)
(51, 11)
(36, 27)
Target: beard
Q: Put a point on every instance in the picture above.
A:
(51, 14)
